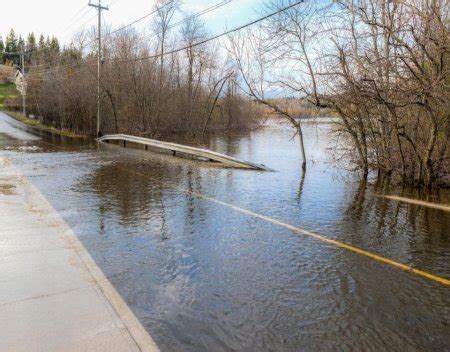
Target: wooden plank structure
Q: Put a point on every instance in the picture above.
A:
(184, 149)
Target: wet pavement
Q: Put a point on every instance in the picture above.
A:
(53, 296)
(203, 276)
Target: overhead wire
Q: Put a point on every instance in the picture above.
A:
(215, 37)
(77, 17)
(139, 19)
(37, 49)
(195, 15)
(111, 33)
(236, 29)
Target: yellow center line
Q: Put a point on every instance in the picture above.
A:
(301, 231)
(443, 207)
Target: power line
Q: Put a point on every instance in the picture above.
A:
(77, 17)
(79, 70)
(113, 3)
(186, 19)
(237, 29)
(195, 15)
(111, 33)
(58, 68)
(83, 12)
(129, 24)
(87, 21)
(139, 19)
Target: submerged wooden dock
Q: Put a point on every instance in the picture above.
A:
(186, 150)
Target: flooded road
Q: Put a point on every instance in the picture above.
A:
(201, 275)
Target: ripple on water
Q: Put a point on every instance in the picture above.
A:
(203, 277)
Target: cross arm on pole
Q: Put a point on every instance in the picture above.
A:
(98, 6)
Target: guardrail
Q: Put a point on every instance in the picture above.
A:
(184, 149)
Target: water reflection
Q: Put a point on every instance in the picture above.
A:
(203, 277)
(418, 234)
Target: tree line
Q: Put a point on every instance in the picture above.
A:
(35, 50)
(191, 91)
(381, 65)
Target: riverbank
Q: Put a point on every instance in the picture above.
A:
(48, 273)
(36, 124)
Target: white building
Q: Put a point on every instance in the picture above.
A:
(20, 82)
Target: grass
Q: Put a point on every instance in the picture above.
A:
(7, 90)
(36, 124)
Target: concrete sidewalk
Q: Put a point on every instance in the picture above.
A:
(53, 297)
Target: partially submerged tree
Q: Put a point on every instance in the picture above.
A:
(383, 66)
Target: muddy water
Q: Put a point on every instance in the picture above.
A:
(203, 276)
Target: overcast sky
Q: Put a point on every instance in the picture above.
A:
(64, 18)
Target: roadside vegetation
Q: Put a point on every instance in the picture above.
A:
(39, 126)
(11, 101)
(192, 91)
(7, 91)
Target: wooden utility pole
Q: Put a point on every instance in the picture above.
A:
(24, 86)
(99, 8)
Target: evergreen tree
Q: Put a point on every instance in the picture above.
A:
(20, 45)
(11, 48)
(31, 42)
(48, 44)
(54, 46)
(70, 54)
(41, 44)
(11, 42)
(2, 49)
(41, 49)
(31, 48)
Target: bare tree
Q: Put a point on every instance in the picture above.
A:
(382, 66)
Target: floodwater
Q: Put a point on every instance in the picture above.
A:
(203, 275)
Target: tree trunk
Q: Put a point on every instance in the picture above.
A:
(302, 145)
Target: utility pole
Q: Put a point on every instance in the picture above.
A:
(24, 86)
(99, 8)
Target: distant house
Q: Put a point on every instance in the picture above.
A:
(19, 80)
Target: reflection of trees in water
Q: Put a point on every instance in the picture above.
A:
(356, 208)
(68, 143)
(230, 143)
(419, 231)
(122, 189)
(190, 201)
(134, 198)
(301, 184)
